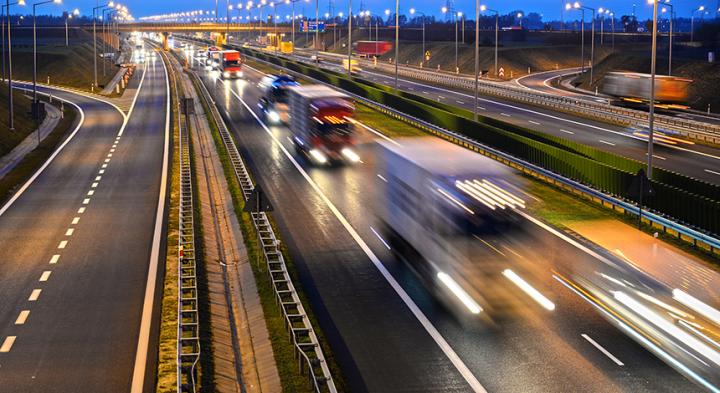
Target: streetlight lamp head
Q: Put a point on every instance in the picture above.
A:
(702, 8)
(568, 6)
(21, 2)
(387, 12)
(519, 15)
(412, 11)
(577, 4)
(111, 4)
(76, 12)
(444, 10)
(483, 8)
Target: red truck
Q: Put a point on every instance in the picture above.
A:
(231, 64)
(373, 48)
(321, 124)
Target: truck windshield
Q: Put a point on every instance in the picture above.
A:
(232, 63)
(327, 129)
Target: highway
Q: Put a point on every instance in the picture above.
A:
(81, 242)
(543, 82)
(385, 328)
(698, 161)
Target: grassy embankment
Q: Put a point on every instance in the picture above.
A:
(283, 350)
(33, 160)
(70, 66)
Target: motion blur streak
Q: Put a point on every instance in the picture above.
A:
(457, 291)
(667, 326)
(527, 288)
(455, 201)
(697, 305)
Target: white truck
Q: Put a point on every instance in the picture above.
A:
(440, 203)
(321, 124)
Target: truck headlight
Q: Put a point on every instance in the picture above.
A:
(350, 155)
(318, 156)
(273, 116)
(226, 74)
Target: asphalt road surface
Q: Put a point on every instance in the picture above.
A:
(77, 252)
(387, 331)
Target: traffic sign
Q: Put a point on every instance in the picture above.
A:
(427, 55)
(501, 72)
(258, 202)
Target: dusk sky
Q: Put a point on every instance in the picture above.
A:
(550, 9)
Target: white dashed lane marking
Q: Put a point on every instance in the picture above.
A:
(45, 275)
(606, 142)
(22, 317)
(34, 295)
(86, 201)
(567, 132)
(534, 122)
(62, 244)
(75, 220)
(81, 210)
(7, 344)
(69, 232)
(54, 259)
(91, 193)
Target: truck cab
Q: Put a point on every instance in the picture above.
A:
(213, 57)
(321, 124)
(230, 64)
(274, 103)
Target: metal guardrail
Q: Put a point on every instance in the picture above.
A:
(307, 347)
(655, 218)
(596, 110)
(188, 350)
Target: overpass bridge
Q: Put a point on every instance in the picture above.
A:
(198, 27)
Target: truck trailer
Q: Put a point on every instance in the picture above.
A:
(440, 202)
(321, 124)
(631, 88)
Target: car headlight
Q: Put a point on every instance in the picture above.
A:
(273, 116)
(350, 155)
(318, 156)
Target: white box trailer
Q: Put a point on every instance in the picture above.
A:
(439, 200)
(321, 123)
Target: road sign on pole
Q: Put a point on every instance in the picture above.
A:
(427, 55)
(501, 72)
(639, 188)
(258, 202)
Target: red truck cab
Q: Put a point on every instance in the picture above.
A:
(231, 64)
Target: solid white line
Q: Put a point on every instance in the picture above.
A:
(81, 210)
(54, 259)
(75, 220)
(62, 244)
(45, 275)
(138, 378)
(424, 321)
(7, 344)
(22, 317)
(382, 178)
(606, 142)
(34, 295)
(380, 237)
(603, 350)
(567, 132)
(713, 172)
(69, 232)
(534, 122)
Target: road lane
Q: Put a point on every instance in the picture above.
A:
(519, 346)
(88, 220)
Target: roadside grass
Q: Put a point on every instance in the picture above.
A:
(37, 157)
(66, 66)
(283, 350)
(23, 123)
(167, 345)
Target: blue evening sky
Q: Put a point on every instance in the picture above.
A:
(549, 9)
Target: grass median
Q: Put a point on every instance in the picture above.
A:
(283, 350)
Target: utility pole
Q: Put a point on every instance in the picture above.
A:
(651, 117)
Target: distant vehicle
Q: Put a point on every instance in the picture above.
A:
(274, 102)
(316, 59)
(231, 64)
(354, 67)
(634, 88)
(439, 202)
(321, 124)
(373, 48)
(213, 56)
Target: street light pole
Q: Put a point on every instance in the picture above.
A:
(651, 119)
(477, 58)
(35, 48)
(692, 22)
(497, 28)
(110, 4)
(422, 58)
(11, 112)
(350, 16)
(397, 40)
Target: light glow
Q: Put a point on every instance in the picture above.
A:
(455, 288)
(527, 288)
